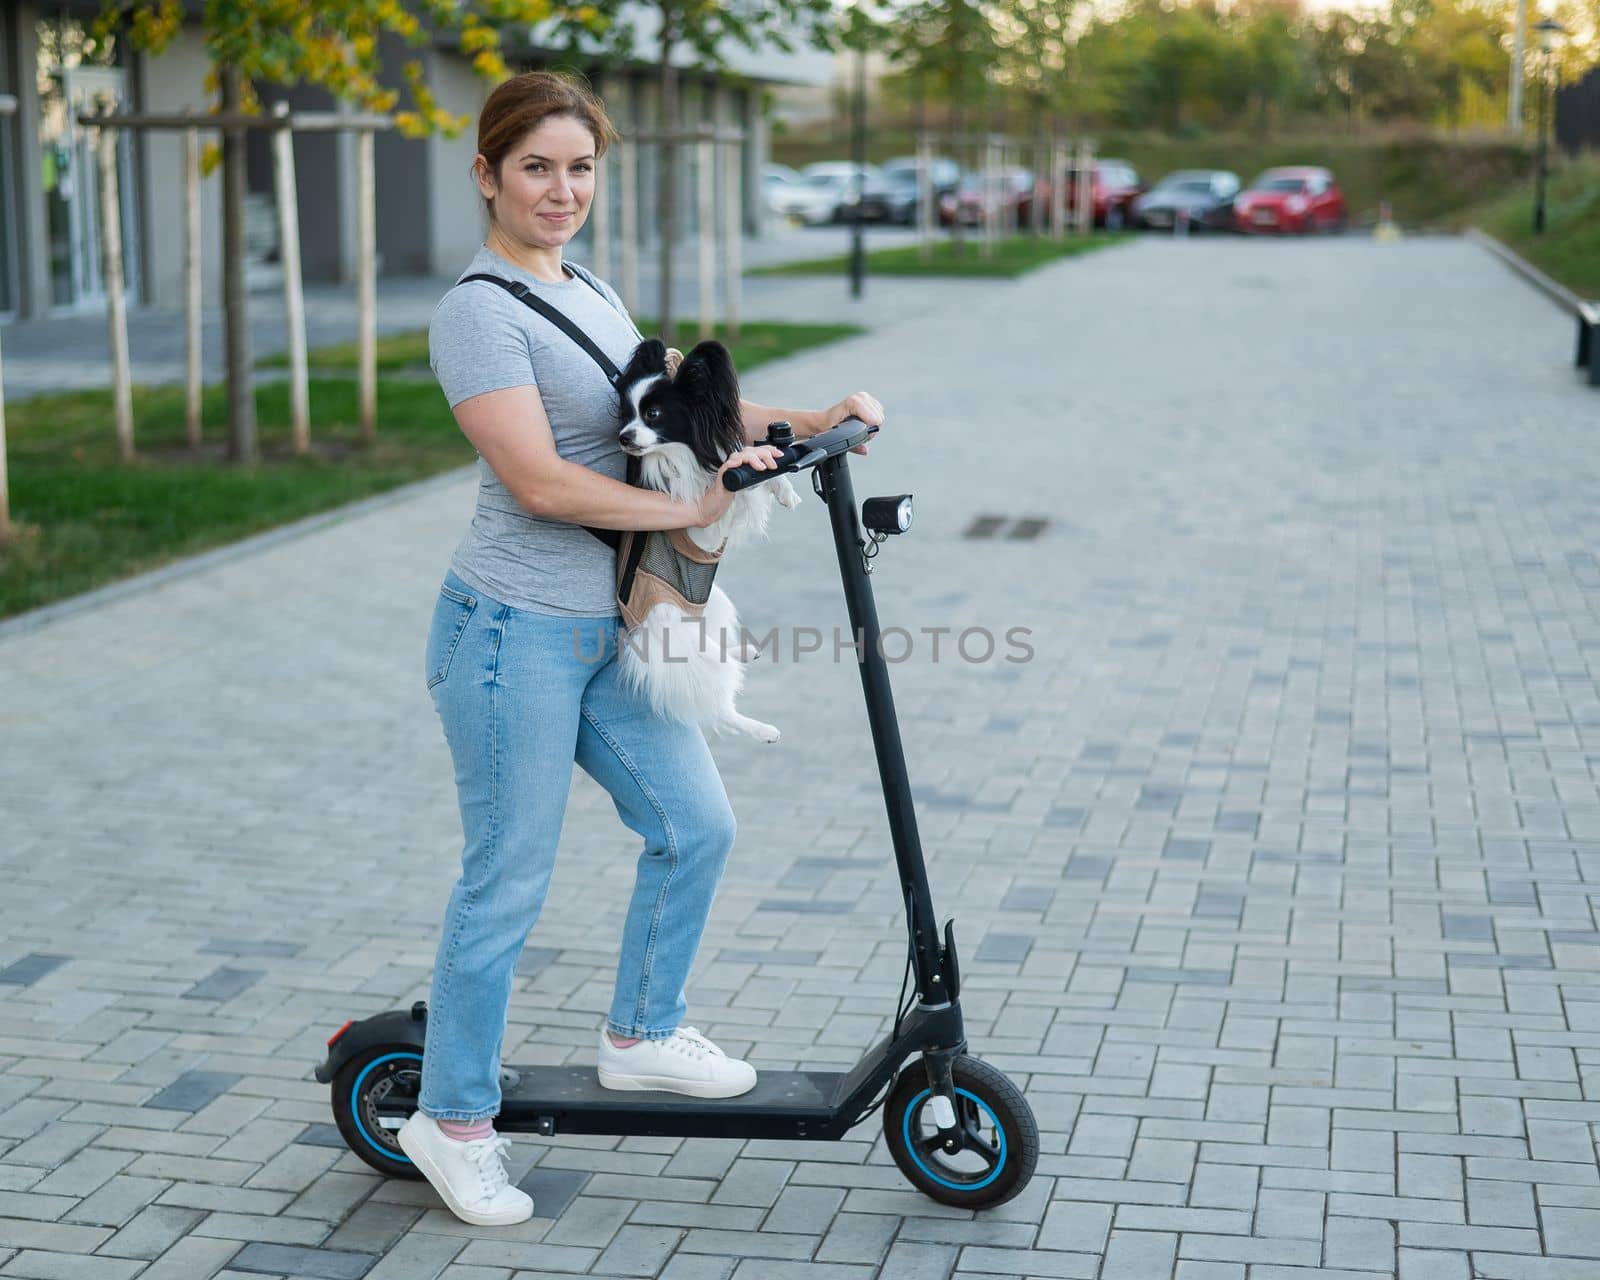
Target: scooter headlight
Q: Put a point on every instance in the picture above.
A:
(887, 515)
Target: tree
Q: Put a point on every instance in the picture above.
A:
(332, 44)
(949, 45)
(703, 26)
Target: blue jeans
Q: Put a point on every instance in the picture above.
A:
(522, 696)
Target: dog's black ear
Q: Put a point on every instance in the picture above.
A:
(707, 380)
(650, 356)
(710, 363)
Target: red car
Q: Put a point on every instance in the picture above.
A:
(1112, 188)
(1285, 201)
(972, 204)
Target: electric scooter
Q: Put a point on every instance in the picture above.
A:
(958, 1129)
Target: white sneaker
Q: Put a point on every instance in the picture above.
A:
(470, 1177)
(685, 1062)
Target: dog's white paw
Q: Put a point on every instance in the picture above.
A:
(788, 496)
(731, 721)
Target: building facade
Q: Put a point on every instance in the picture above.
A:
(429, 219)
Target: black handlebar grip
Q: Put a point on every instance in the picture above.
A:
(743, 477)
(800, 453)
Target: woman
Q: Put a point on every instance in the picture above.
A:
(520, 695)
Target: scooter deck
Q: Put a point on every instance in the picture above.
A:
(784, 1104)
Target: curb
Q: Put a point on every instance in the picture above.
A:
(1559, 294)
(253, 545)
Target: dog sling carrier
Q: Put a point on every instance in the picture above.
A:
(653, 565)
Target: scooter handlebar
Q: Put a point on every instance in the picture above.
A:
(803, 453)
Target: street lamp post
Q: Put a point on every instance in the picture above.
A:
(858, 255)
(1549, 32)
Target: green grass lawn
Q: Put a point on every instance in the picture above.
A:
(85, 518)
(1013, 256)
(1569, 249)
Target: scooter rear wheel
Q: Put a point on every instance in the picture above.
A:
(372, 1096)
(1000, 1138)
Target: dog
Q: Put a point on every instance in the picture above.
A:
(681, 419)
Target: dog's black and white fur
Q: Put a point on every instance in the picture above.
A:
(682, 427)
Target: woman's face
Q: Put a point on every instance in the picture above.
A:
(546, 183)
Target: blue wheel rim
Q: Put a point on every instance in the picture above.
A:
(388, 1152)
(911, 1147)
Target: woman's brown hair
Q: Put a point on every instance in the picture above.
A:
(522, 103)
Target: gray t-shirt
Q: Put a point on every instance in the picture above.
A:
(482, 339)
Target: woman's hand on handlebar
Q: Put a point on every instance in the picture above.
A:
(716, 500)
(860, 405)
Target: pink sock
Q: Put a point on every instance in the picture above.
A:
(466, 1130)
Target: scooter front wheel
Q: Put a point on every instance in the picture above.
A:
(998, 1145)
(373, 1095)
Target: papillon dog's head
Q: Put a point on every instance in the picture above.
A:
(693, 414)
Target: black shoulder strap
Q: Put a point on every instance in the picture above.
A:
(526, 297)
(611, 537)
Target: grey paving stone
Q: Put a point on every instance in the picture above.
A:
(1191, 1270)
(417, 1256)
(698, 1267)
(912, 1261)
(768, 1269)
(1026, 1262)
(858, 1237)
(1572, 1232)
(34, 1265)
(638, 1251)
(28, 969)
(373, 1228)
(224, 984)
(1132, 1255)
(252, 947)
(1075, 1228)
(1434, 1264)
(800, 1209)
(552, 1189)
(283, 1259)
(153, 1232)
(1362, 1244)
(192, 1258)
(193, 1090)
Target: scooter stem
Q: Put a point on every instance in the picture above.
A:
(935, 970)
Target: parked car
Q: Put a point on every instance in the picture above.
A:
(812, 202)
(1203, 198)
(814, 196)
(895, 199)
(945, 173)
(779, 181)
(972, 204)
(1290, 200)
(1113, 187)
(840, 179)
(892, 197)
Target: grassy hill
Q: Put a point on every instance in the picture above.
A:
(1569, 249)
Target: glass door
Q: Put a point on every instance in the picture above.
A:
(72, 183)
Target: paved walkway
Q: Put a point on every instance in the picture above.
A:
(1274, 868)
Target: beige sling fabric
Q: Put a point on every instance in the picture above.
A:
(671, 569)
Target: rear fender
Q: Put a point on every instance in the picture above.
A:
(399, 1028)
